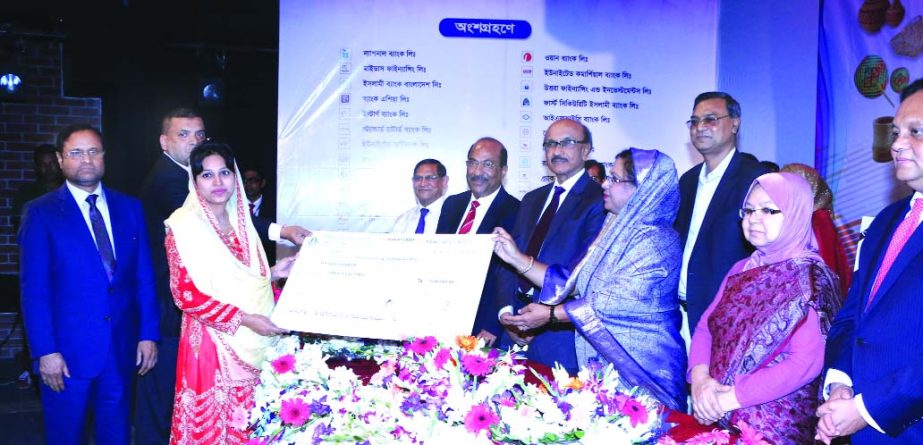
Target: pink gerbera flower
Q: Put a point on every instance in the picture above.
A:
(750, 436)
(442, 357)
(295, 412)
(480, 418)
(284, 364)
(422, 346)
(477, 365)
(635, 411)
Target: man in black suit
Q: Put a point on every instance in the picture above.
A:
(486, 205)
(164, 190)
(711, 193)
(262, 205)
(555, 225)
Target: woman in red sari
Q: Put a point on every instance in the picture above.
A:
(221, 282)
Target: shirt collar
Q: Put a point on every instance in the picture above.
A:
(718, 172)
(80, 194)
(569, 183)
(437, 204)
(184, 167)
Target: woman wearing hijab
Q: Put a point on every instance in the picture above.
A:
(621, 297)
(221, 282)
(757, 353)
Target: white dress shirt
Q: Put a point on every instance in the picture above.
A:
(80, 196)
(708, 184)
(568, 185)
(484, 204)
(407, 221)
(257, 205)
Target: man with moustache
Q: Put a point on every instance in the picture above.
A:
(164, 190)
(87, 295)
(429, 186)
(874, 355)
(484, 206)
(555, 225)
(711, 194)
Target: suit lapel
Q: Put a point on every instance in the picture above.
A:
(534, 211)
(569, 206)
(910, 250)
(492, 217)
(725, 189)
(72, 220)
(117, 215)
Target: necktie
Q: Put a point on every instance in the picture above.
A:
(469, 218)
(541, 231)
(252, 208)
(900, 237)
(103, 244)
(422, 223)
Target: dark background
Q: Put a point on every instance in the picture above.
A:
(144, 57)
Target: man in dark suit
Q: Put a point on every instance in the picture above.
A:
(486, 205)
(711, 194)
(164, 190)
(87, 295)
(262, 205)
(874, 353)
(555, 225)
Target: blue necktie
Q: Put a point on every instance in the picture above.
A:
(541, 230)
(422, 223)
(103, 244)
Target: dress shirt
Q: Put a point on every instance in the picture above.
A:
(837, 376)
(705, 191)
(407, 221)
(80, 196)
(568, 184)
(485, 202)
(257, 205)
(274, 231)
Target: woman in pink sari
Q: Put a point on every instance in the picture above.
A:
(220, 281)
(757, 353)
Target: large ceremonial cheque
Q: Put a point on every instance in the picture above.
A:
(385, 286)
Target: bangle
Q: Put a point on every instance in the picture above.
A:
(531, 263)
(552, 320)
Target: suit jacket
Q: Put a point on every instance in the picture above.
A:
(501, 213)
(721, 241)
(881, 348)
(69, 305)
(574, 226)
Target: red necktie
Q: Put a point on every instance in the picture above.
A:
(251, 209)
(900, 237)
(469, 218)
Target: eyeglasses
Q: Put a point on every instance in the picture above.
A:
(617, 180)
(79, 154)
(488, 164)
(708, 121)
(745, 212)
(566, 143)
(598, 179)
(427, 178)
(253, 180)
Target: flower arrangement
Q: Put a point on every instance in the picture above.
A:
(428, 392)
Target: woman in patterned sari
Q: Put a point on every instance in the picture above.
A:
(757, 353)
(221, 282)
(621, 297)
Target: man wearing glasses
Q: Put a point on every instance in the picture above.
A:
(484, 206)
(429, 186)
(710, 197)
(555, 225)
(87, 295)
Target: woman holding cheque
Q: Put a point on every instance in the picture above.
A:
(220, 281)
(624, 307)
